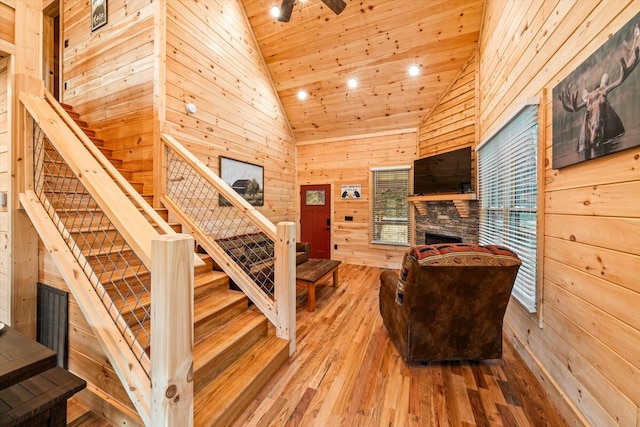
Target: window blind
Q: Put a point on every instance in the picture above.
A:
(507, 183)
(390, 209)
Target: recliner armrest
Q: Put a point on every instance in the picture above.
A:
(303, 247)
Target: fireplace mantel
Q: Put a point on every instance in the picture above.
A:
(461, 201)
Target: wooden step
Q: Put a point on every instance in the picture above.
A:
(72, 114)
(221, 401)
(117, 163)
(216, 351)
(206, 267)
(216, 308)
(126, 174)
(107, 152)
(97, 141)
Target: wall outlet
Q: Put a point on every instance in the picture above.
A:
(335, 246)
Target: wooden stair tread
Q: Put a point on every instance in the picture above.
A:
(227, 339)
(212, 303)
(235, 353)
(222, 400)
(208, 282)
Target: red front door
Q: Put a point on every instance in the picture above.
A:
(315, 219)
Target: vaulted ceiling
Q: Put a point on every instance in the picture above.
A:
(373, 41)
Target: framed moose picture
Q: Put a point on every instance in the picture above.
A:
(595, 108)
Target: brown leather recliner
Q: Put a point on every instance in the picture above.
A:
(449, 301)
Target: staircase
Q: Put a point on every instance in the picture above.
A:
(235, 352)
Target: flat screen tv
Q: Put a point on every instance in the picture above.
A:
(444, 173)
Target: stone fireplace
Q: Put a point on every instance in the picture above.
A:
(444, 221)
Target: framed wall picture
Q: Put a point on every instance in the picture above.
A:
(98, 14)
(245, 178)
(595, 108)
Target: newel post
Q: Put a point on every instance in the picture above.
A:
(172, 330)
(285, 282)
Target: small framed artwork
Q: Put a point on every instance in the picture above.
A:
(98, 14)
(351, 191)
(245, 178)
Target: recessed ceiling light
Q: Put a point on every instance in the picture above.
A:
(414, 70)
(352, 83)
(275, 11)
(302, 95)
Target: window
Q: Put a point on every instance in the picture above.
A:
(389, 207)
(507, 182)
(315, 198)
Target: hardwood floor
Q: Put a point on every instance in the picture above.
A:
(346, 372)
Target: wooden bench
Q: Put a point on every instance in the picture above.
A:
(39, 400)
(311, 272)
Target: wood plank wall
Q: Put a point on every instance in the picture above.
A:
(587, 351)
(5, 184)
(7, 22)
(213, 61)
(348, 162)
(452, 123)
(108, 77)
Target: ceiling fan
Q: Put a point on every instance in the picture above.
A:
(336, 6)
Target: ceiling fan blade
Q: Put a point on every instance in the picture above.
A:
(336, 6)
(285, 10)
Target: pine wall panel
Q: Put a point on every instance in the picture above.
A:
(452, 123)
(348, 162)
(108, 76)
(213, 62)
(7, 22)
(584, 341)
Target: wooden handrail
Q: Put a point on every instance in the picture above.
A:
(112, 171)
(126, 217)
(106, 164)
(124, 362)
(255, 216)
(281, 311)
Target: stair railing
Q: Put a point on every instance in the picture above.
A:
(102, 246)
(256, 254)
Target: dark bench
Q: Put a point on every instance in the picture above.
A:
(39, 400)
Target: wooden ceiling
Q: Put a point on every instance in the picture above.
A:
(374, 41)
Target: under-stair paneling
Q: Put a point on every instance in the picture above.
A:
(349, 162)
(87, 359)
(5, 289)
(214, 62)
(584, 341)
(108, 76)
